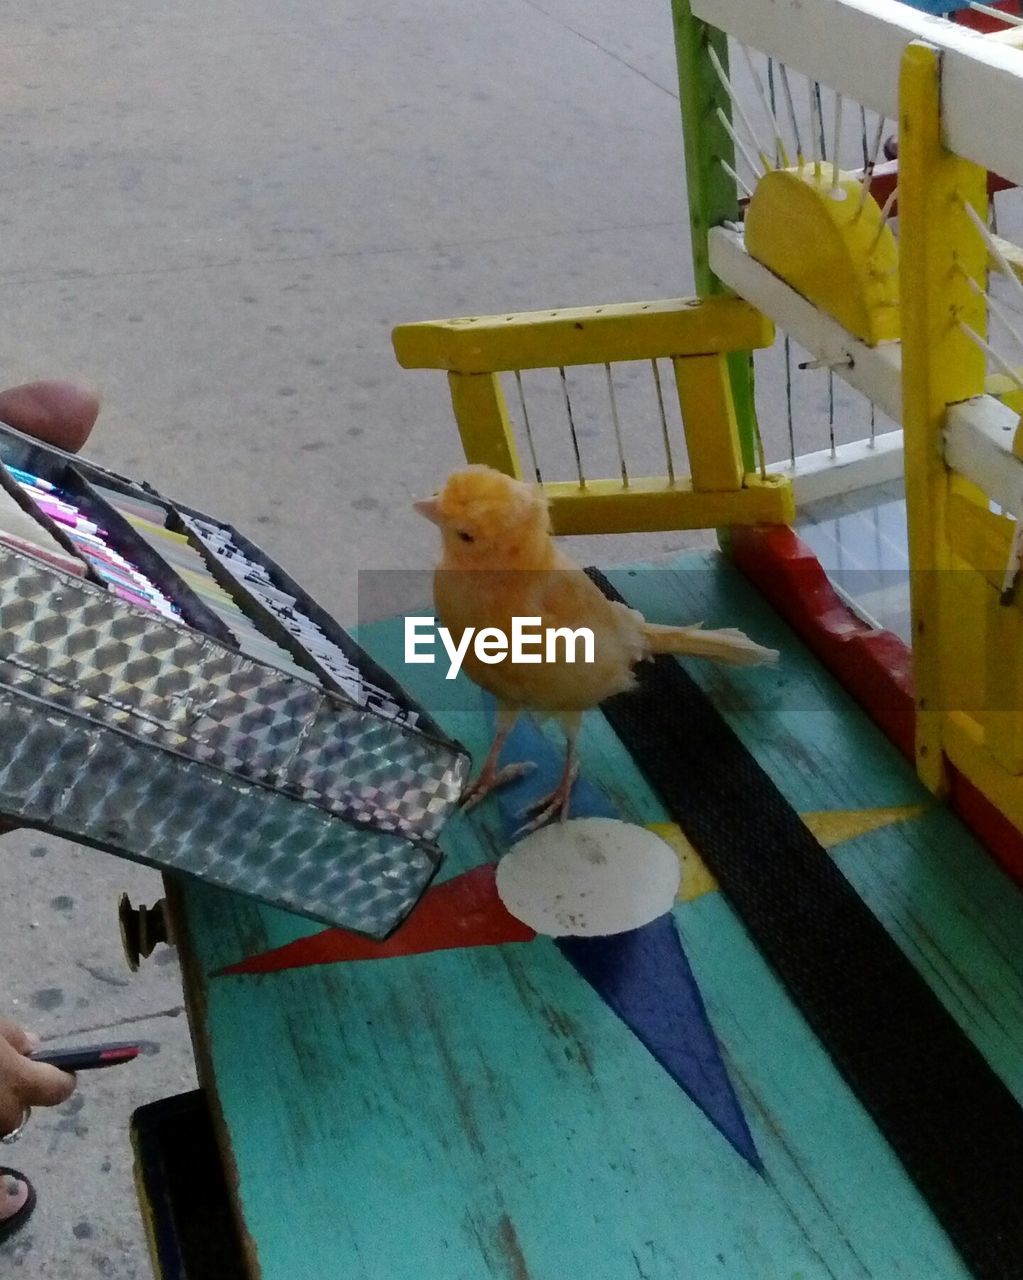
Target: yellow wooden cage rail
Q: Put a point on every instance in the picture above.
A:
(695, 334)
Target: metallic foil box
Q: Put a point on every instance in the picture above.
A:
(153, 740)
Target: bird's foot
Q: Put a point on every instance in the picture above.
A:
(491, 780)
(554, 805)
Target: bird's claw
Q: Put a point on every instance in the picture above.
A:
(551, 806)
(547, 814)
(477, 791)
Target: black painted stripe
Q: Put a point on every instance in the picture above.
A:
(950, 1119)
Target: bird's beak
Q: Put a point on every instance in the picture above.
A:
(428, 507)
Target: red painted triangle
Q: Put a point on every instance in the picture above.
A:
(465, 911)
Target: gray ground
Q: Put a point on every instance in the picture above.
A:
(216, 212)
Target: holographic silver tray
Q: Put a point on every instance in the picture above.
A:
(320, 790)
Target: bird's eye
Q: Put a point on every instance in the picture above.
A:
(466, 537)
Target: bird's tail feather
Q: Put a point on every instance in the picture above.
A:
(729, 646)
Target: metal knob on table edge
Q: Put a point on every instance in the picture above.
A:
(142, 928)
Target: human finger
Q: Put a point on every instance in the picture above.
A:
(59, 413)
(20, 1039)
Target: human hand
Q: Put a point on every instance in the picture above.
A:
(24, 1083)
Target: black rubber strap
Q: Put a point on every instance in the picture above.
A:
(952, 1122)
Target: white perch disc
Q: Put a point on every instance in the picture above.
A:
(589, 877)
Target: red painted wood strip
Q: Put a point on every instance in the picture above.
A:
(886, 177)
(876, 667)
(465, 911)
(982, 21)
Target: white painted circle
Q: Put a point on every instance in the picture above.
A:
(589, 878)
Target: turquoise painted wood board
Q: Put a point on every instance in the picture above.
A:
(481, 1114)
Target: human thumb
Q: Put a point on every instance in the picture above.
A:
(38, 1084)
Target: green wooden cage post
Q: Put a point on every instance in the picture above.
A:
(712, 195)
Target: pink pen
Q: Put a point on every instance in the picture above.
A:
(124, 594)
(66, 515)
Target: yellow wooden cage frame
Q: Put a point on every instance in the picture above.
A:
(695, 334)
(967, 630)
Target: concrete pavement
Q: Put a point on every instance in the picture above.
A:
(216, 213)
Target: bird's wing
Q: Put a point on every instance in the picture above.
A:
(568, 598)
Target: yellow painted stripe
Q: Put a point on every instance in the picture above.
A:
(835, 826)
(696, 878)
(830, 826)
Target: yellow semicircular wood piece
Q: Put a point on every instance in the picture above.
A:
(830, 245)
(831, 827)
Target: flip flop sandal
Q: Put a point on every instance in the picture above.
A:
(8, 1226)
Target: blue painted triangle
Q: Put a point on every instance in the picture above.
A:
(644, 975)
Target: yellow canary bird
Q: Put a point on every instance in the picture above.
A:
(500, 562)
